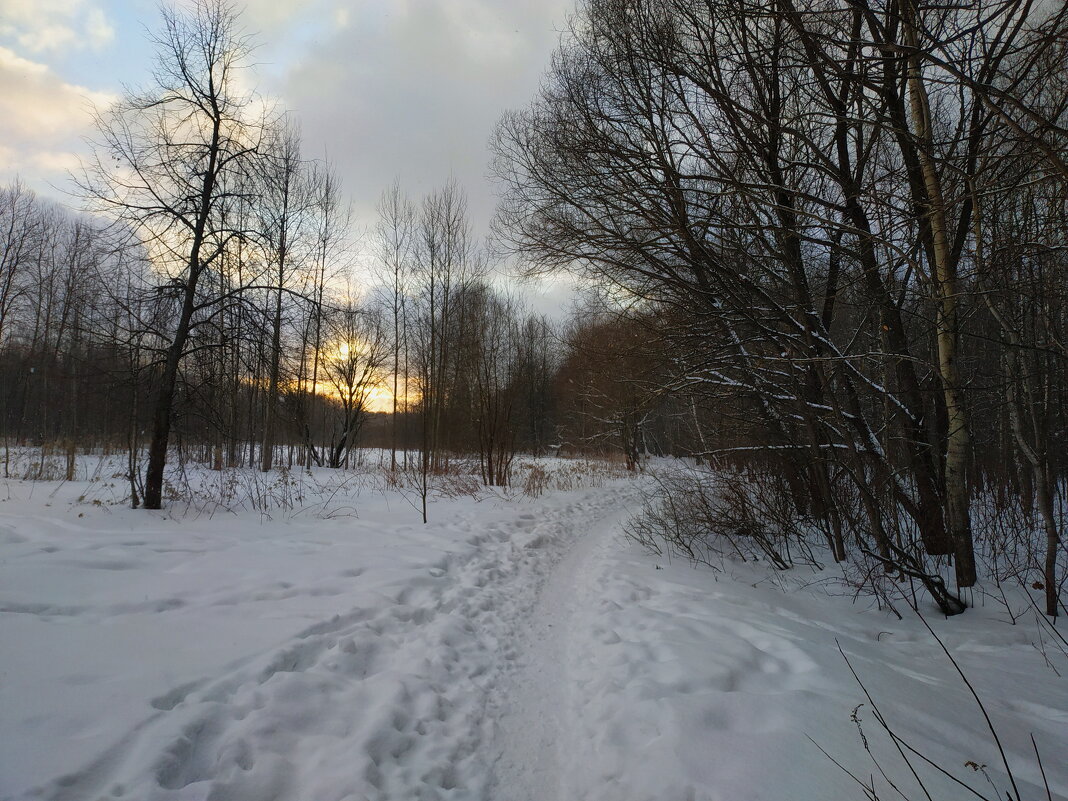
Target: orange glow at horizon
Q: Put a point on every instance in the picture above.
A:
(379, 397)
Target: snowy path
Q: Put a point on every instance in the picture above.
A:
(534, 722)
(397, 695)
(509, 651)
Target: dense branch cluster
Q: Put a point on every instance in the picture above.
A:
(850, 219)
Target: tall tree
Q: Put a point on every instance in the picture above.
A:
(283, 206)
(396, 231)
(446, 264)
(792, 181)
(20, 224)
(166, 165)
(359, 345)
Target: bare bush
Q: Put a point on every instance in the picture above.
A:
(535, 477)
(706, 516)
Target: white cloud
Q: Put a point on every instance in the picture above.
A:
(35, 104)
(8, 159)
(98, 29)
(269, 16)
(47, 37)
(42, 119)
(41, 26)
(54, 163)
(414, 88)
(386, 88)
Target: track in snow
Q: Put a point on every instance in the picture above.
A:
(445, 686)
(534, 726)
(510, 651)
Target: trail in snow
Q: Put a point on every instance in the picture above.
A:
(687, 684)
(508, 651)
(534, 724)
(395, 696)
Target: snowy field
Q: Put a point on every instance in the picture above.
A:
(321, 644)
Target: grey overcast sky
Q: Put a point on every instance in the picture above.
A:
(386, 88)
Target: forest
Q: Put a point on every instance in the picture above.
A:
(822, 247)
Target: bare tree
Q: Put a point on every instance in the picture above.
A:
(166, 164)
(20, 224)
(283, 207)
(497, 382)
(329, 222)
(396, 231)
(359, 350)
(791, 183)
(445, 266)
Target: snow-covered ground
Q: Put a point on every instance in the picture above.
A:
(514, 649)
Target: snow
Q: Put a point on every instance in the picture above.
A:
(513, 648)
(703, 687)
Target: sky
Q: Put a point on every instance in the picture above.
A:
(387, 89)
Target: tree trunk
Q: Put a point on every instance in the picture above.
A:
(271, 413)
(161, 412)
(944, 277)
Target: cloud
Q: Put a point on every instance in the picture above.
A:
(408, 89)
(271, 17)
(55, 162)
(40, 26)
(36, 104)
(414, 88)
(98, 29)
(42, 119)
